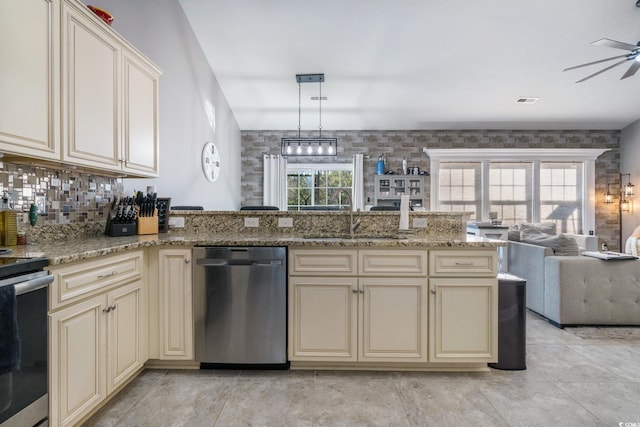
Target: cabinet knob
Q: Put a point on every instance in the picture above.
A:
(433, 291)
(187, 260)
(362, 291)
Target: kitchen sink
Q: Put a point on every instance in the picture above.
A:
(354, 236)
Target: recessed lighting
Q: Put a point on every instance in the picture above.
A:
(526, 100)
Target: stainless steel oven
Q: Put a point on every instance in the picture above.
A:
(23, 342)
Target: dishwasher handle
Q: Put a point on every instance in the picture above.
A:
(238, 262)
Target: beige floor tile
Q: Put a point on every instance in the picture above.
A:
(437, 402)
(613, 403)
(529, 403)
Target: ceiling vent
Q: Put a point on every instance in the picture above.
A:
(524, 100)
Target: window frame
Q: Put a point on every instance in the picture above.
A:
(587, 156)
(312, 167)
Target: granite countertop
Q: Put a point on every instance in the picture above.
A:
(76, 250)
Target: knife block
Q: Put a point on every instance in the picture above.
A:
(118, 230)
(148, 224)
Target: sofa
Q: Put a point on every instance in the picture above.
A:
(577, 290)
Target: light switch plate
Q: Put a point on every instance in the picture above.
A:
(176, 221)
(41, 203)
(420, 222)
(252, 222)
(285, 222)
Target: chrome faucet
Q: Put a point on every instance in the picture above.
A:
(353, 226)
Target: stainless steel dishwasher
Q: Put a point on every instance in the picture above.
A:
(240, 306)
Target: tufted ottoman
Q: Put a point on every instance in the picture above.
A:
(588, 291)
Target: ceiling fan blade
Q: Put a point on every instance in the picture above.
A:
(603, 70)
(632, 69)
(594, 62)
(615, 44)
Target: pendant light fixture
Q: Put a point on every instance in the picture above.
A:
(309, 146)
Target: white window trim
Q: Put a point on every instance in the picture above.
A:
(320, 166)
(587, 156)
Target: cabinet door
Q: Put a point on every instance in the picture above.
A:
(126, 337)
(78, 360)
(463, 320)
(323, 318)
(29, 79)
(393, 319)
(90, 91)
(140, 108)
(176, 304)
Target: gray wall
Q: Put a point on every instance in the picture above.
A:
(160, 30)
(630, 163)
(398, 144)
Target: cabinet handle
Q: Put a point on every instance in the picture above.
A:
(362, 291)
(433, 291)
(102, 276)
(355, 291)
(106, 310)
(113, 307)
(187, 260)
(463, 263)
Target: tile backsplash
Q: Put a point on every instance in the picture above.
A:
(69, 196)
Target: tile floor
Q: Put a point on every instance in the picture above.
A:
(569, 381)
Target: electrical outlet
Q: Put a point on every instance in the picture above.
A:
(251, 222)
(419, 222)
(285, 222)
(176, 221)
(41, 203)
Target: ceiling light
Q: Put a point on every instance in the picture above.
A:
(314, 145)
(526, 100)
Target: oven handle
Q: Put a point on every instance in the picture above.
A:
(33, 284)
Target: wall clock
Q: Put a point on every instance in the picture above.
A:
(210, 161)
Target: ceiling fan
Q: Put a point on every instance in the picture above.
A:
(633, 55)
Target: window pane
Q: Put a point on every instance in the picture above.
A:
(308, 187)
(510, 191)
(460, 189)
(561, 202)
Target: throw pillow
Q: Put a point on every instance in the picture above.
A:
(560, 244)
(513, 233)
(545, 227)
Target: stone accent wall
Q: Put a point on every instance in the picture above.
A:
(396, 145)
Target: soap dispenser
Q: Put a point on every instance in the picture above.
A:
(8, 222)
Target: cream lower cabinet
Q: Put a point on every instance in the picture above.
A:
(175, 302)
(337, 313)
(463, 306)
(98, 332)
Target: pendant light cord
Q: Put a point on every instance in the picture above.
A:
(299, 106)
(320, 108)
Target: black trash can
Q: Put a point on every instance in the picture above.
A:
(511, 323)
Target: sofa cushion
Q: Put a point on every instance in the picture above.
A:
(560, 244)
(544, 227)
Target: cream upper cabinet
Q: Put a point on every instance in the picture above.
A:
(140, 115)
(98, 336)
(29, 79)
(175, 298)
(109, 98)
(463, 310)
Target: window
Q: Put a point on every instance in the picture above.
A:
(510, 191)
(521, 185)
(460, 188)
(321, 186)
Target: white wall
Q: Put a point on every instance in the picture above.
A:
(630, 163)
(160, 30)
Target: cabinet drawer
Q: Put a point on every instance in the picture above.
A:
(77, 281)
(459, 263)
(323, 262)
(392, 262)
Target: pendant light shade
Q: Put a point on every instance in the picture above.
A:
(304, 147)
